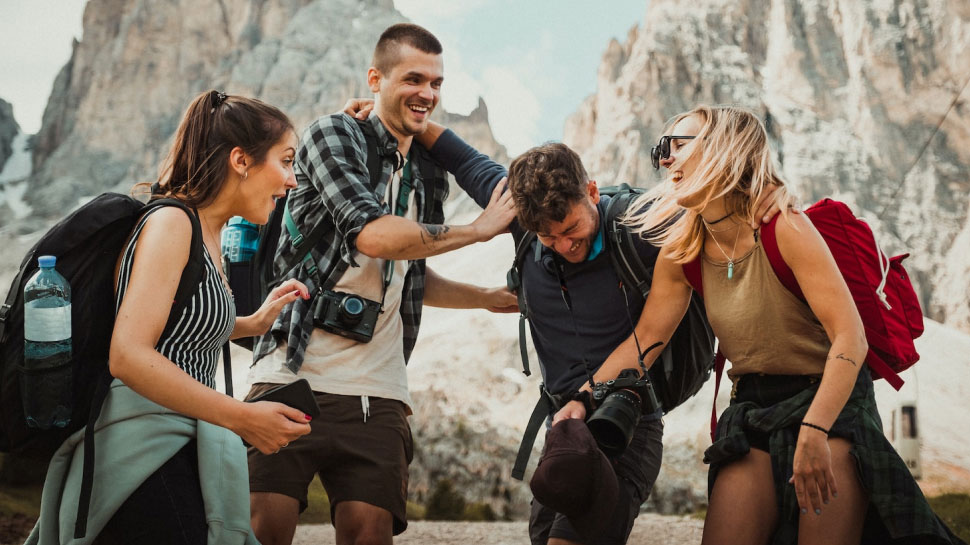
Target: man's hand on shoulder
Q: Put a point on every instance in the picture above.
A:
(359, 108)
(497, 215)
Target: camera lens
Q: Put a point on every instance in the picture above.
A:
(613, 423)
(351, 309)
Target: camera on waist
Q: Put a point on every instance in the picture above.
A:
(346, 314)
(619, 404)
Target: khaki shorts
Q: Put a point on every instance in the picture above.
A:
(356, 460)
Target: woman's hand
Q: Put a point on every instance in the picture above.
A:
(573, 409)
(359, 108)
(812, 476)
(260, 321)
(270, 426)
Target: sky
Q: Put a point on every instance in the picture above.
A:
(533, 62)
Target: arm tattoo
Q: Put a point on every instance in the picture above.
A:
(843, 357)
(435, 233)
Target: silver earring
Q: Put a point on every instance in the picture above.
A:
(245, 175)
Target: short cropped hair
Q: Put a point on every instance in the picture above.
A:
(546, 182)
(387, 51)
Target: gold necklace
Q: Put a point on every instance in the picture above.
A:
(730, 270)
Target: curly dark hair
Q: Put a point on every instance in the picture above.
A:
(546, 182)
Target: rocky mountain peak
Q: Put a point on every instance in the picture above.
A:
(865, 102)
(116, 104)
(8, 131)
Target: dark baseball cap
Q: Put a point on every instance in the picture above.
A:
(575, 478)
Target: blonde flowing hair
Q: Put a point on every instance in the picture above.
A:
(733, 161)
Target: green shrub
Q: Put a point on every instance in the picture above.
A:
(318, 510)
(445, 502)
(415, 511)
(954, 510)
(479, 512)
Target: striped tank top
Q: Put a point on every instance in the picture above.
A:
(195, 343)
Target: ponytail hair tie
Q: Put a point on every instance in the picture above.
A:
(220, 100)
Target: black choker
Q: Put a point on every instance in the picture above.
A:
(717, 220)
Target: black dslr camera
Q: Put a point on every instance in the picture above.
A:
(620, 402)
(346, 314)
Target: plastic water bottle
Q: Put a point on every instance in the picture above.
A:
(46, 379)
(239, 240)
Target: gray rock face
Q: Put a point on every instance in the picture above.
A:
(117, 103)
(866, 102)
(8, 130)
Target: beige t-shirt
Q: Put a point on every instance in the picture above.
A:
(337, 365)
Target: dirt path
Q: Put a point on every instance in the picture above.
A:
(650, 529)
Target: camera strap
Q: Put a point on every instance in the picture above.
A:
(399, 207)
(633, 327)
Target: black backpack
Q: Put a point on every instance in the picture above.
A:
(252, 280)
(87, 244)
(685, 363)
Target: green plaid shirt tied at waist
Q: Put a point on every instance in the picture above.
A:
(895, 499)
(334, 188)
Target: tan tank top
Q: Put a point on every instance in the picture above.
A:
(760, 325)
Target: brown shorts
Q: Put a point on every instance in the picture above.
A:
(356, 460)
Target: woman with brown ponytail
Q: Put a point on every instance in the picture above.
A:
(799, 455)
(170, 467)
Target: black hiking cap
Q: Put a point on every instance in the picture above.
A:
(575, 478)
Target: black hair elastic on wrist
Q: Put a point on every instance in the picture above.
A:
(815, 427)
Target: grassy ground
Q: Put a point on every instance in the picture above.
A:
(954, 509)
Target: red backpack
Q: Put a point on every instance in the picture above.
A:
(880, 287)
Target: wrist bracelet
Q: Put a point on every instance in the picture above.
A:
(815, 427)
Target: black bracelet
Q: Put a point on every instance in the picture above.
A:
(815, 427)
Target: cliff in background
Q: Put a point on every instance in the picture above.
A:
(8, 131)
(865, 101)
(117, 102)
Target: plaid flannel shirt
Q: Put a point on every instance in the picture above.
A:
(896, 503)
(333, 187)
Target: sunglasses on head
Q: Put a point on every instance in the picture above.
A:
(662, 149)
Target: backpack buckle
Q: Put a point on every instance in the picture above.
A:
(4, 312)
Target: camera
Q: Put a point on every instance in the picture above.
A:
(620, 402)
(346, 314)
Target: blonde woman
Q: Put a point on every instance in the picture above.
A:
(799, 455)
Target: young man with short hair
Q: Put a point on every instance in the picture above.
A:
(374, 244)
(556, 199)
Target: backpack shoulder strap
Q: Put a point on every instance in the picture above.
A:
(514, 282)
(421, 158)
(692, 271)
(782, 270)
(192, 274)
(623, 255)
(373, 154)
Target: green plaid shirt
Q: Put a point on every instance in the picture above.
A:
(334, 188)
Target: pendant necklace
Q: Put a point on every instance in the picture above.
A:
(730, 268)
